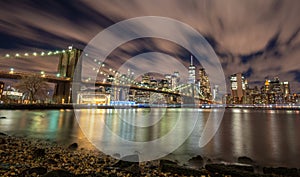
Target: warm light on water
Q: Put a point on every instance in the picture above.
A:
(270, 137)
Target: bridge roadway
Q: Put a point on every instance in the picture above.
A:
(55, 79)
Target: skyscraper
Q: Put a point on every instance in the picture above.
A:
(238, 87)
(1, 89)
(204, 84)
(192, 70)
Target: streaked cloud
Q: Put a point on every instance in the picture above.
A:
(258, 36)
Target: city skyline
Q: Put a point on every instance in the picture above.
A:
(262, 45)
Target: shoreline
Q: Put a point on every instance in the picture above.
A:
(22, 156)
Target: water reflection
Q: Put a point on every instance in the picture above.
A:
(268, 136)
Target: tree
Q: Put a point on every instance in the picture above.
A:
(34, 86)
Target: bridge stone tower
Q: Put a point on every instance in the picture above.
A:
(66, 68)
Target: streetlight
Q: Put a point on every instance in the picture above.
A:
(43, 73)
(11, 71)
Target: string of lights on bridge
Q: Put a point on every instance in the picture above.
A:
(123, 77)
(34, 54)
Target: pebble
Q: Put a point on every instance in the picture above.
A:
(23, 154)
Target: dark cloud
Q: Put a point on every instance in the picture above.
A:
(259, 38)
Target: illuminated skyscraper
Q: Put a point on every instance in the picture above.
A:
(204, 84)
(238, 87)
(192, 70)
(175, 80)
(1, 89)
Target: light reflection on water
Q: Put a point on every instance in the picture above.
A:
(268, 136)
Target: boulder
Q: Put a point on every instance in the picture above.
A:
(196, 161)
(39, 153)
(3, 134)
(167, 166)
(37, 170)
(293, 172)
(245, 160)
(129, 164)
(73, 146)
(59, 173)
(231, 170)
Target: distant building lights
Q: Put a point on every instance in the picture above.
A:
(11, 71)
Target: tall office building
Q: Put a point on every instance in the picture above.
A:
(204, 84)
(276, 92)
(175, 80)
(286, 88)
(238, 87)
(192, 70)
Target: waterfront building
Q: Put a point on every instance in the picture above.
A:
(204, 84)
(215, 93)
(1, 89)
(276, 92)
(238, 87)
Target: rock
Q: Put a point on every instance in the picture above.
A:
(242, 167)
(2, 141)
(231, 170)
(59, 173)
(196, 161)
(51, 161)
(127, 161)
(130, 164)
(245, 160)
(133, 169)
(293, 172)
(73, 146)
(39, 153)
(4, 166)
(37, 170)
(167, 167)
(3, 134)
(100, 161)
(57, 156)
(164, 161)
(98, 174)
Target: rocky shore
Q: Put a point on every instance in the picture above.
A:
(32, 157)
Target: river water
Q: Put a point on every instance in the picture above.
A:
(270, 137)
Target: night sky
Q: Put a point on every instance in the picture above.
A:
(258, 38)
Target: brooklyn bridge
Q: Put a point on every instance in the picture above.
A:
(112, 87)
